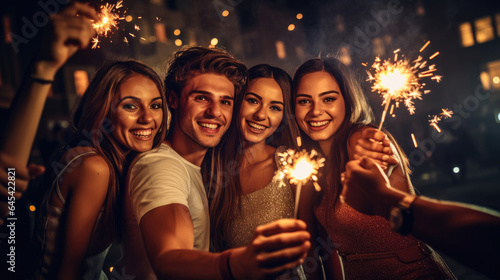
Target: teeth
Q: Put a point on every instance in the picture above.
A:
(319, 123)
(208, 125)
(142, 133)
(256, 126)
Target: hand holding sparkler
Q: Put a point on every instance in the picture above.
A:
(372, 143)
(66, 33)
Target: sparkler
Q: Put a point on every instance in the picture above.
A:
(299, 168)
(108, 20)
(400, 80)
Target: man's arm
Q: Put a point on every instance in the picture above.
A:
(158, 192)
(168, 236)
(464, 232)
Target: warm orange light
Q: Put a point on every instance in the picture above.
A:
(177, 32)
(178, 42)
(300, 16)
(32, 208)
(291, 27)
(225, 13)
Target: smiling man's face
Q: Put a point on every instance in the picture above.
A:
(205, 109)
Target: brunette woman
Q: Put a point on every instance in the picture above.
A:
(333, 115)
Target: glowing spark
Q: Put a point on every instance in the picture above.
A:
(437, 78)
(142, 38)
(423, 47)
(434, 55)
(399, 81)
(364, 64)
(436, 127)
(131, 35)
(125, 40)
(137, 27)
(108, 19)
(446, 113)
(95, 42)
(435, 119)
(414, 140)
(299, 168)
(139, 17)
(392, 109)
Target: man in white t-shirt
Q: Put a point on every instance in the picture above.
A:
(166, 207)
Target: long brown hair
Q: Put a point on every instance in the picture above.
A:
(92, 121)
(358, 114)
(224, 188)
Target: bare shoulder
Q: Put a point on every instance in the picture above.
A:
(90, 170)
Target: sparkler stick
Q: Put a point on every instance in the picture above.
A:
(299, 168)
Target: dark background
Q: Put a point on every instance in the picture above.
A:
(461, 163)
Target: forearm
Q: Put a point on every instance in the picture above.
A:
(25, 113)
(187, 264)
(466, 234)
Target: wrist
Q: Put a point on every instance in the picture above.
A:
(401, 215)
(225, 265)
(386, 201)
(44, 70)
(237, 269)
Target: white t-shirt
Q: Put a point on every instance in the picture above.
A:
(156, 178)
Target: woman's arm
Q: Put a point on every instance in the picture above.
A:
(373, 143)
(66, 33)
(87, 187)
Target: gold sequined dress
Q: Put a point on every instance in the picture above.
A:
(271, 203)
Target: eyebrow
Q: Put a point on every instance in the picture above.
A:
(321, 94)
(226, 97)
(137, 99)
(260, 98)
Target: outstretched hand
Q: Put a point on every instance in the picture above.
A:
(276, 247)
(364, 186)
(69, 30)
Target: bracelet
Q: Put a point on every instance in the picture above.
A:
(41, 81)
(224, 267)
